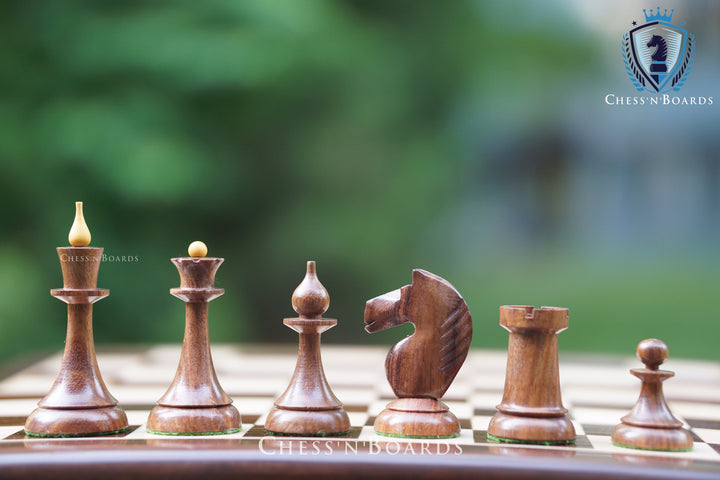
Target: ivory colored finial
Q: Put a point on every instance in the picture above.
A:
(197, 249)
(79, 235)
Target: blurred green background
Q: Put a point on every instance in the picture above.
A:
(468, 138)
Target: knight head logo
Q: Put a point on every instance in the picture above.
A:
(658, 55)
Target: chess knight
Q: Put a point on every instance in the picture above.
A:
(421, 367)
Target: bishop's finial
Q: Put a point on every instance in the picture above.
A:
(310, 299)
(79, 235)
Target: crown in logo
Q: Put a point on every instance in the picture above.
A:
(651, 17)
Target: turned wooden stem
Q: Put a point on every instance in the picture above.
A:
(309, 371)
(79, 384)
(651, 410)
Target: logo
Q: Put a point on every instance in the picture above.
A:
(658, 55)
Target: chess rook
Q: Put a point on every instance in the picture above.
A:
(308, 405)
(79, 403)
(650, 425)
(195, 403)
(531, 410)
(421, 367)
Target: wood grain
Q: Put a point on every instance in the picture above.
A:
(650, 425)
(78, 403)
(308, 405)
(195, 403)
(531, 409)
(422, 366)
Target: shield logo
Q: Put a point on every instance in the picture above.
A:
(658, 49)
(658, 55)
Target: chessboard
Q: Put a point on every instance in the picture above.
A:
(597, 391)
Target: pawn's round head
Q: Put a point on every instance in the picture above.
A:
(197, 249)
(652, 352)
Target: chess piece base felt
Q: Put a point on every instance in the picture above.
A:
(536, 430)
(82, 422)
(417, 418)
(194, 420)
(311, 423)
(644, 438)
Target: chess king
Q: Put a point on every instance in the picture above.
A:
(421, 367)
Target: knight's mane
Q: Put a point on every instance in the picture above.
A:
(455, 335)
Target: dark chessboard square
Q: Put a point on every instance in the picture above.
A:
(591, 429)
(250, 418)
(10, 421)
(699, 423)
(370, 421)
(480, 436)
(355, 408)
(484, 412)
(715, 446)
(465, 423)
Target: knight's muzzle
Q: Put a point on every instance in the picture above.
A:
(381, 312)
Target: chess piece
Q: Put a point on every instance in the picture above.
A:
(421, 367)
(531, 410)
(650, 425)
(195, 403)
(308, 407)
(79, 403)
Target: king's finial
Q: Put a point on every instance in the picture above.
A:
(652, 17)
(79, 235)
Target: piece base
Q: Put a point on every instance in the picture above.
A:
(193, 420)
(493, 438)
(417, 418)
(84, 422)
(645, 438)
(310, 423)
(534, 430)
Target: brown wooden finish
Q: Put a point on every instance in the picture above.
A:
(650, 425)
(78, 403)
(186, 460)
(195, 403)
(308, 405)
(531, 408)
(421, 367)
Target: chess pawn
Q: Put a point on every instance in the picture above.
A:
(531, 410)
(650, 425)
(308, 406)
(195, 403)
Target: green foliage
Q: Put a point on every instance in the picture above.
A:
(275, 131)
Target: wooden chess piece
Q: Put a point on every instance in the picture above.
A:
(421, 367)
(195, 403)
(650, 425)
(308, 407)
(79, 403)
(531, 410)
